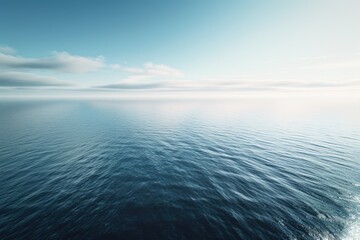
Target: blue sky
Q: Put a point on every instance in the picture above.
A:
(179, 46)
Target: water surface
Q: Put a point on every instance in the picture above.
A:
(157, 169)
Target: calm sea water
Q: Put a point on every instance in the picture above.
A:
(156, 169)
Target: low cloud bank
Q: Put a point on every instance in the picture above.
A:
(60, 61)
(15, 79)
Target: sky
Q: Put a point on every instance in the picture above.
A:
(63, 48)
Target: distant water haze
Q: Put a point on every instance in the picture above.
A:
(179, 169)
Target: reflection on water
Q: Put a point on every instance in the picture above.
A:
(241, 169)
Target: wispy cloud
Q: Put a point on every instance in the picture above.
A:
(150, 76)
(17, 79)
(7, 50)
(346, 62)
(231, 84)
(151, 70)
(303, 74)
(129, 86)
(60, 61)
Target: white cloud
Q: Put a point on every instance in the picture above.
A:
(150, 76)
(151, 70)
(115, 66)
(226, 84)
(303, 74)
(73, 63)
(134, 86)
(60, 61)
(18, 79)
(6, 49)
(161, 70)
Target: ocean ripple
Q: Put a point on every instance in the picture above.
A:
(175, 170)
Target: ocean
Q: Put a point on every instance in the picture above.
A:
(179, 169)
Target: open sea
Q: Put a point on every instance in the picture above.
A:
(179, 169)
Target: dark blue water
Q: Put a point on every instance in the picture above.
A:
(156, 169)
